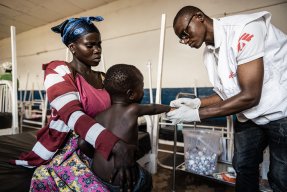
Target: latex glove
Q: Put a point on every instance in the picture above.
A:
(124, 165)
(183, 114)
(192, 103)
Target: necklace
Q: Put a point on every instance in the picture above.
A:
(119, 102)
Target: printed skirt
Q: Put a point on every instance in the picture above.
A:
(69, 170)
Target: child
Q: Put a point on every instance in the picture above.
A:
(125, 84)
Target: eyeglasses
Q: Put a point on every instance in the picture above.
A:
(184, 36)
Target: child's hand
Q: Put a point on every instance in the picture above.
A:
(172, 108)
(192, 103)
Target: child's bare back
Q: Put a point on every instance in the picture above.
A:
(121, 121)
(124, 83)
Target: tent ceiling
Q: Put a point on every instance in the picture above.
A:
(29, 14)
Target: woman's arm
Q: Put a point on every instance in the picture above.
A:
(64, 98)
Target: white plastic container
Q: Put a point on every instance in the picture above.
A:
(201, 150)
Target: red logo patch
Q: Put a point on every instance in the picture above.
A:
(245, 38)
(231, 75)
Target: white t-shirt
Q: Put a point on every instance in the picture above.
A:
(238, 40)
(250, 44)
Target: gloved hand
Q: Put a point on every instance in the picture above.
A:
(183, 114)
(192, 103)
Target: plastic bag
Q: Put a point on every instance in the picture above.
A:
(201, 150)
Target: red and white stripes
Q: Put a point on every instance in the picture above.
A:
(67, 115)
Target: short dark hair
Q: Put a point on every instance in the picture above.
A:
(187, 10)
(122, 77)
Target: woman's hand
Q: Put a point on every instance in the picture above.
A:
(124, 165)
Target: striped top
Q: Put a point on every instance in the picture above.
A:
(67, 115)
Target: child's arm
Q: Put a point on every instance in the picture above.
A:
(152, 109)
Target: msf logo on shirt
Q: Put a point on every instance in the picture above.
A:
(231, 75)
(243, 40)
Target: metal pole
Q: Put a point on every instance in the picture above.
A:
(174, 157)
(68, 55)
(103, 63)
(14, 81)
(150, 82)
(158, 92)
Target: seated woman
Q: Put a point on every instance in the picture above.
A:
(124, 83)
(76, 95)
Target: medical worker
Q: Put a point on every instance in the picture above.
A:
(246, 60)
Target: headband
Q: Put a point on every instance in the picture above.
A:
(73, 28)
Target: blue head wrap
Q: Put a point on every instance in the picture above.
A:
(73, 28)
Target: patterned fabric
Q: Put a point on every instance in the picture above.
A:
(73, 28)
(67, 115)
(68, 171)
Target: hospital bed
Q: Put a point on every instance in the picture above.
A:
(6, 109)
(17, 178)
